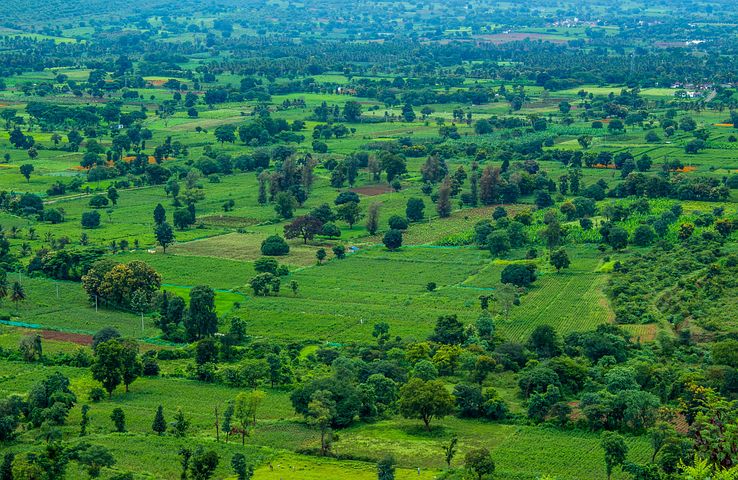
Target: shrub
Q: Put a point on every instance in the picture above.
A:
(90, 219)
(274, 246)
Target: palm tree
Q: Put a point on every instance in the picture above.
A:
(18, 294)
(3, 285)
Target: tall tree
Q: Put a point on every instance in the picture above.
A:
(443, 204)
(615, 451)
(201, 320)
(164, 235)
(372, 218)
(106, 367)
(160, 424)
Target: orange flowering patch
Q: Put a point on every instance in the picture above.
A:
(724, 125)
(131, 158)
(600, 165)
(686, 169)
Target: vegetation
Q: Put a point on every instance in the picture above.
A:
(439, 240)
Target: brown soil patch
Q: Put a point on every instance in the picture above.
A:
(372, 190)
(78, 338)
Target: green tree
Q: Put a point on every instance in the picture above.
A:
(119, 419)
(449, 451)
(26, 170)
(17, 294)
(181, 425)
(201, 320)
(245, 408)
(84, 421)
(559, 259)
(425, 400)
(160, 215)
(164, 235)
(94, 458)
(320, 413)
(615, 451)
(203, 464)
(479, 463)
(392, 239)
(130, 365)
(386, 468)
(349, 212)
(414, 211)
(106, 367)
(285, 204)
(160, 424)
(243, 470)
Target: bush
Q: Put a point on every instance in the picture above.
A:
(392, 239)
(90, 219)
(99, 201)
(397, 222)
(274, 246)
(346, 197)
(97, 394)
(53, 216)
(520, 275)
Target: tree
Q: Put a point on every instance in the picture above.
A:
(352, 111)
(617, 237)
(94, 458)
(545, 342)
(386, 468)
(203, 464)
(372, 218)
(498, 242)
(84, 421)
(615, 451)
(243, 470)
(414, 211)
(119, 419)
(559, 259)
(320, 413)
(225, 133)
(164, 235)
(349, 212)
(320, 255)
(392, 239)
(180, 424)
(285, 204)
(26, 170)
(479, 463)
(160, 215)
(274, 245)
(330, 230)
(106, 366)
(245, 408)
(17, 294)
(90, 219)
(306, 227)
(520, 275)
(425, 400)
(443, 204)
(449, 450)
(160, 424)
(201, 320)
(130, 364)
(113, 195)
